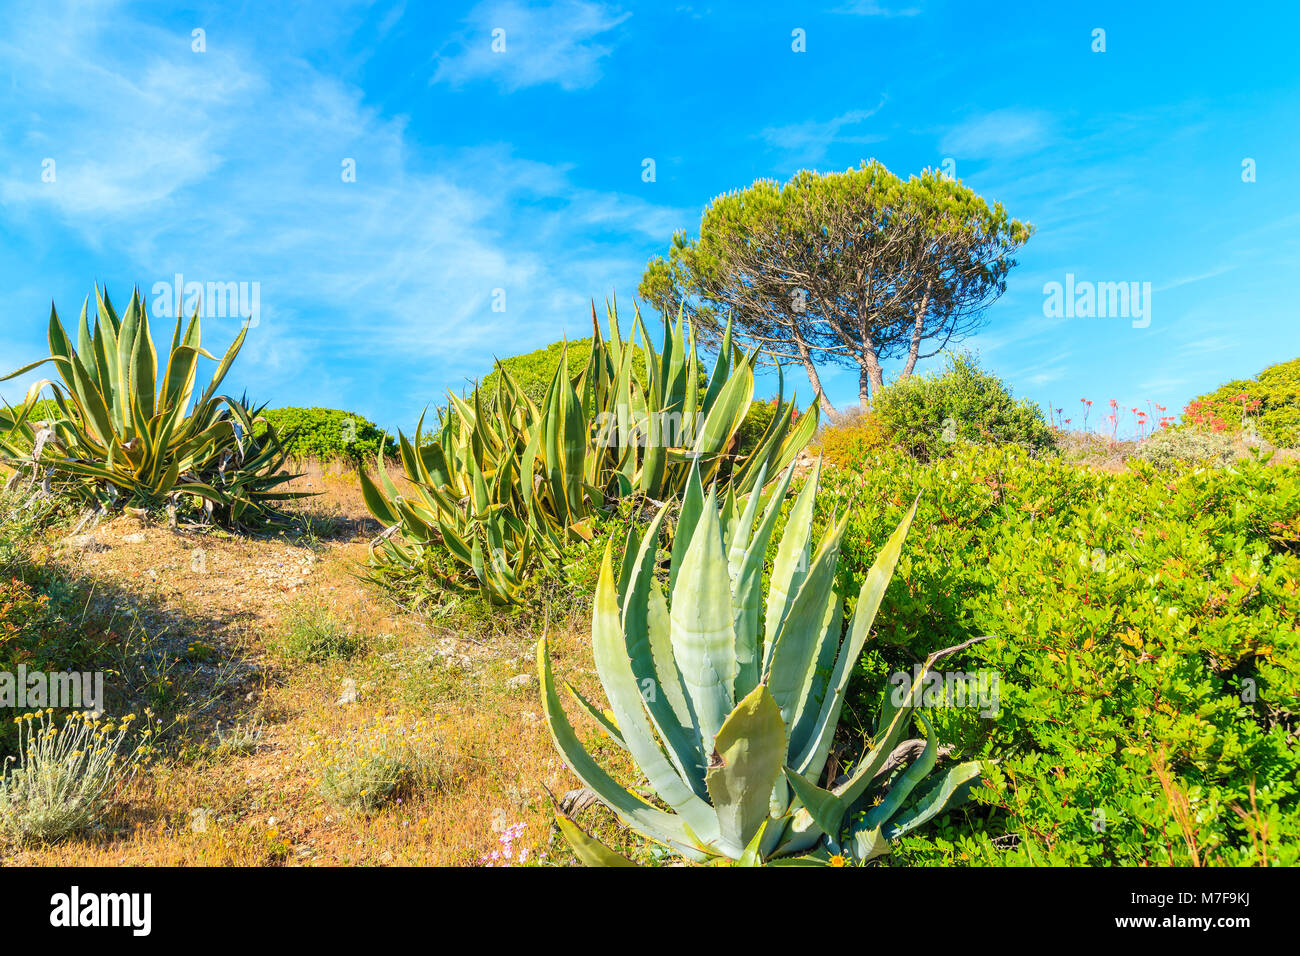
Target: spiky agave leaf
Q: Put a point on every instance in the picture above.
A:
(733, 739)
(517, 479)
(125, 434)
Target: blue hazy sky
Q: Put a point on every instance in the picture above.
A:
(522, 171)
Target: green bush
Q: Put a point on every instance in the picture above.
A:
(1144, 634)
(533, 371)
(927, 416)
(852, 439)
(317, 635)
(1270, 402)
(1189, 444)
(327, 434)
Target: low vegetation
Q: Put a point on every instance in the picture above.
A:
(124, 432)
(326, 435)
(1013, 643)
(1267, 405)
(501, 492)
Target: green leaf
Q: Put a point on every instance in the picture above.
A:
(616, 676)
(588, 850)
(704, 644)
(651, 822)
(749, 751)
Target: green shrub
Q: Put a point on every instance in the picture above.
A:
(852, 439)
(368, 766)
(1270, 402)
(65, 774)
(1189, 444)
(929, 415)
(1145, 635)
(533, 371)
(317, 635)
(327, 434)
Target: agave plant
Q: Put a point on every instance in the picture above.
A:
(503, 487)
(728, 703)
(122, 435)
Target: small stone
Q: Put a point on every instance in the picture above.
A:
(136, 538)
(349, 695)
(521, 682)
(199, 818)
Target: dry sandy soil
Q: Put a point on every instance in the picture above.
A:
(222, 604)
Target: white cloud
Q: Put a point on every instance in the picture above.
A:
(1003, 132)
(561, 42)
(229, 170)
(1199, 277)
(873, 8)
(810, 140)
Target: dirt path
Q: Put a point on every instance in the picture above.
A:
(230, 610)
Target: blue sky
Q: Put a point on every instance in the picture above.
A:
(522, 171)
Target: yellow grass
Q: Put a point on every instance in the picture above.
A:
(260, 804)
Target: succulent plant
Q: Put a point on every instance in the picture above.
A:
(118, 433)
(728, 703)
(502, 488)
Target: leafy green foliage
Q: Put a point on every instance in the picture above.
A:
(728, 699)
(534, 371)
(1144, 627)
(1269, 403)
(502, 490)
(850, 268)
(130, 432)
(929, 415)
(326, 434)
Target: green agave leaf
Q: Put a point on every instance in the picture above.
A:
(692, 507)
(598, 715)
(749, 751)
(753, 855)
(813, 758)
(948, 791)
(796, 647)
(908, 780)
(648, 635)
(620, 683)
(651, 822)
(791, 564)
(826, 809)
(588, 850)
(702, 637)
(747, 580)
